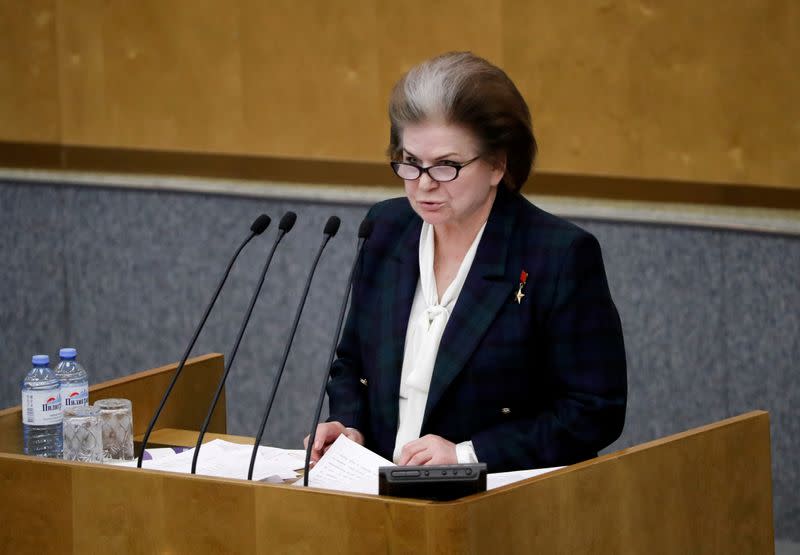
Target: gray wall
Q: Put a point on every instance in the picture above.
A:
(711, 317)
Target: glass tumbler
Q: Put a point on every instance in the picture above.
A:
(116, 416)
(83, 435)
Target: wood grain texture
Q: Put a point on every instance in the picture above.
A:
(188, 403)
(679, 494)
(116, 513)
(643, 89)
(161, 75)
(37, 495)
(413, 31)
(174, 437)
(656, 89)
(330, 172)
(707, 490)
(310, 79)
(186, 407)
(29, 86)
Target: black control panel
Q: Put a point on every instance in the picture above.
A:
(438, 482)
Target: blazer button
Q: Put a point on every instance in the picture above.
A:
(505, 410)
(363, 381)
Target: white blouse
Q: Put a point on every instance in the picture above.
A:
(426, 324)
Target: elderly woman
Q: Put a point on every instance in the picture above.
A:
(481, 327)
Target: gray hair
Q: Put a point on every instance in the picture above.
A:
(461, 88)
(431, 88)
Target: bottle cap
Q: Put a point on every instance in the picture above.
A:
(40, 359)
(68, 352)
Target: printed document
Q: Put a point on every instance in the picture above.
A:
(223, 459)
(348, 466)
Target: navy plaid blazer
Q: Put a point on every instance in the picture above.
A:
(533, 384)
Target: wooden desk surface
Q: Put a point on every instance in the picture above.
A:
(175, 437)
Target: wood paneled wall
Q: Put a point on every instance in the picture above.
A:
(646, 89)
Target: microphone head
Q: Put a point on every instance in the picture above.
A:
(287, 222)
(365, 229)
(332, 226)
(260, 224)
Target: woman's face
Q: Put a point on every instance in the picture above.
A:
(462, 203)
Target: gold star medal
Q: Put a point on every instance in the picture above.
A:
(523, 278)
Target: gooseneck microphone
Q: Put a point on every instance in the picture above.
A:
(364, 231)
(331, 227)
(256, 228)
(285, 226)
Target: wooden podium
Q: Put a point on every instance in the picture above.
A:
(707, 490)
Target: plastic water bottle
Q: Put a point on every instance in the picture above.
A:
(41, 410)
(74, 379)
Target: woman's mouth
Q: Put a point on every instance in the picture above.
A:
(430, 205)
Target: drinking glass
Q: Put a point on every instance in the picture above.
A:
(83, 435)
(116, 416)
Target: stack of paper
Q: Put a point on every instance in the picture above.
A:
(223, 459)
(348, 466)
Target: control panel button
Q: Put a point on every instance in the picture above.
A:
(405, 473)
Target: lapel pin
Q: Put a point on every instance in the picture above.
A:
(523, 278)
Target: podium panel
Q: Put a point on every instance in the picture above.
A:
(707, 490)
(186, 406)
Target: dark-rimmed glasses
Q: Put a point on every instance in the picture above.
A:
(438, 172)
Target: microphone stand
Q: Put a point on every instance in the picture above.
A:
(364, 231)
(257, 228)
(286, 224)
(331, 227)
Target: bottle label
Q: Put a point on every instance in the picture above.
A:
(41, 408)
(75, 395)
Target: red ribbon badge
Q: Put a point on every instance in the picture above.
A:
(523, 277)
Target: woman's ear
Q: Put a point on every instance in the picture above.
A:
(498, 168)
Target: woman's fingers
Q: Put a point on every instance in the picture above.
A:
(429, 449)
(327, 432)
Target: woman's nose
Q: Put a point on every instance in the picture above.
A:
(426, 182)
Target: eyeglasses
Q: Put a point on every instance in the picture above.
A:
(438, 172)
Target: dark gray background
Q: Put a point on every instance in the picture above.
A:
(711, 317)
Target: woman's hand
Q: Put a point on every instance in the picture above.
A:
(429, 449)
(327, 433)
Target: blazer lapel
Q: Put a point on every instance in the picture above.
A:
(485, 290)
(396, 300)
